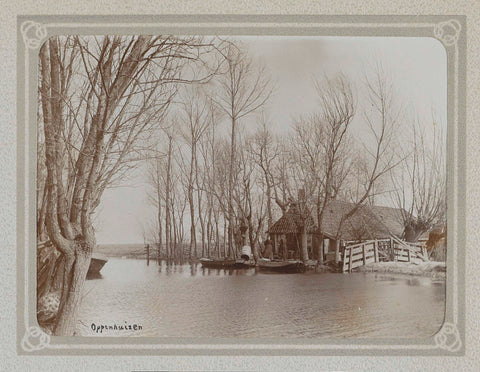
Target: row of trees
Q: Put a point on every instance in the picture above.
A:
(238, 181)
(106, 103)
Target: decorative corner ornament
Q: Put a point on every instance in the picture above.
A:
(33, 34)
(448, 32)
(35, 339)
(448, 338)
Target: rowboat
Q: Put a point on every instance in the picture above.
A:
(288, 266)
(213, 263)
(47, 257)
(96, 263)
(220, 263)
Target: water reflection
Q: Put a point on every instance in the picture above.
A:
(182, 300)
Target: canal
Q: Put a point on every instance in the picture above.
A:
(190, 301)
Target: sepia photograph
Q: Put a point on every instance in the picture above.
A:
(287, 187)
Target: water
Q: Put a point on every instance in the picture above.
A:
(190, 301)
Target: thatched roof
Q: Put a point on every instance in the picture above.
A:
(292, 221)
(368, 222)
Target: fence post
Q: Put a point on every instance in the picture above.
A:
(424, 253)
(408, 254)
(344, 259)
(350, 261)
(375, 250)
(392, 250)
(364, 255)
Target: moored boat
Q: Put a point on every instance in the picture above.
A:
(47, 257)
(217, 263)
(220, 263)
(96, 263)
(244, 264)
(288, 266)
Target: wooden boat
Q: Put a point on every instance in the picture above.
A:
(96, 263)
(244, 264)
(217, 263)
(288, 266)
(47, 257)
(220, 263)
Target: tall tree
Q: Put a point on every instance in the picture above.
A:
(264, 152)
(382, 115)
(242, 89)
(100, 99)
(195, 117)
(337, 110)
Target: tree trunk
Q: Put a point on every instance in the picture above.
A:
(41, 233)
(304, 244)
(193, 238)
(168, 228)
(337, 250)
(76, 269)
(269, 202)
(320, 250)
(224, 237)
(230, 190)
(209, 231)
(159, 215)
(251, 238)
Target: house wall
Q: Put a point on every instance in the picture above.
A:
(329, 249)
(294, 244)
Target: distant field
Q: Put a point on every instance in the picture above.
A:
(120, 250)
(129, 250)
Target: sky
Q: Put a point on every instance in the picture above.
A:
(417, 66)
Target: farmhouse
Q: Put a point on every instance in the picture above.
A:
(366, 223)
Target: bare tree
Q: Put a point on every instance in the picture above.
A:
(282, 170)
(205, 183)
(249, 195)
(318, 155)
(195, 119)
(264, 151)
(100, 99)
(419, 183)
(382, 116)
(338, 106)
(242, 89)
(154, 174)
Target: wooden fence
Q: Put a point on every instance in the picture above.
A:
(392, 249)
(359, 255)
(407, 252)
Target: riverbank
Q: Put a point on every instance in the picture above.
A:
(427, 269)
(123, 250)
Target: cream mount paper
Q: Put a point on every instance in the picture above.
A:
(34, 30)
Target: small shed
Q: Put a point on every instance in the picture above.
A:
(289, 229)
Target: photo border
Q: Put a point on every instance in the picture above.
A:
(32, 31)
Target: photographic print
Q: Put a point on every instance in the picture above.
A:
(288, 189)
